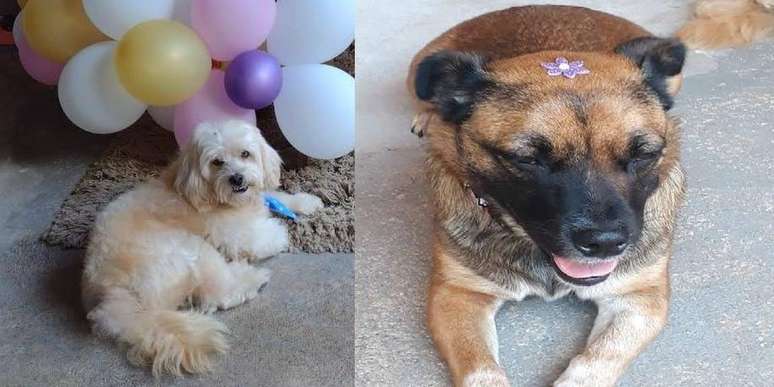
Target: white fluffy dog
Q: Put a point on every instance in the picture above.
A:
(185, 238)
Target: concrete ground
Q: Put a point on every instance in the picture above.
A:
(721, 323)
(298, 332)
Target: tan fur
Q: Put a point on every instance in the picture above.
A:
(461, 322)
(462, 304)
(728, 23)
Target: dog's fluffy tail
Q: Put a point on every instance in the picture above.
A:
(172, 341)
(721, 24)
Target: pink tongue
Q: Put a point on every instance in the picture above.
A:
(576, 269)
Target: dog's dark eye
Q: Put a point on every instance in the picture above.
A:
(245, 154)
(529, 162)
(644, 151)
(643, 161)
(218, 162)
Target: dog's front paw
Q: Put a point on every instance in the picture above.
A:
(581, 373)
(486, 378)
(307, 204)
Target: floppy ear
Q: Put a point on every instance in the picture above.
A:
(452, 81)
(187, 179)
(272, 165)
(661, 61)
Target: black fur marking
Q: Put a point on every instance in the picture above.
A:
(452, 81)
(659, 59)
(578, 106)
(550, 203)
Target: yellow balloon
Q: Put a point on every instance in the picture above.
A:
(58, 29)
(22, 3)
(162, 62)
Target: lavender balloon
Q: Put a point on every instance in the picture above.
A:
(253, 79)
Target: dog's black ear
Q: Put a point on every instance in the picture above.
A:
(661, 61)
(452, 81)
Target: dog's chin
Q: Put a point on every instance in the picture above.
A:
(581, 272)
(242, 196)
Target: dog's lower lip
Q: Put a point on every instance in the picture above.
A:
(240, 189)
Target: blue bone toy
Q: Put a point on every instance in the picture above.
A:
(277, 207)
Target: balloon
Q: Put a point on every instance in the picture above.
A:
(162, 62)
(253, 79)
(164, 116)
(316, 110)
(115, 17)
(210, 104)
(232, 26)
(311, 31)
(39, 68)
(58, 29)
(92, 96)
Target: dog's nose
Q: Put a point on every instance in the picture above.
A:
(236, 179)
(600, 243)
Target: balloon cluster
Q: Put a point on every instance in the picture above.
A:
(189, 61)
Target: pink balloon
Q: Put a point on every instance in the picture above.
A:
(38, 67)
(230, 27)
(211, 103)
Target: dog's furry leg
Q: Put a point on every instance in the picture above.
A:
(248, 236)
(300, 202)
(462, 325)
(172, 341)
(623, 327)
(225, 285)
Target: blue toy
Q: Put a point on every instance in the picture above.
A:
(278, 208)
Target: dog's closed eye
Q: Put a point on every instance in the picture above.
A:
(218, 162)
(643, 152)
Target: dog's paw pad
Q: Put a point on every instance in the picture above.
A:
(307, 203)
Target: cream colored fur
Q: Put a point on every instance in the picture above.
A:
(728, 23)
(186, 238)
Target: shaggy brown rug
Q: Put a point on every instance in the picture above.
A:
(141, 151)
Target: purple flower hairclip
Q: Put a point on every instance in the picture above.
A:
(566, 68)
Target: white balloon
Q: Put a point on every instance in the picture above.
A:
(316, 110)
(164, 116)
(91, 95)
(115, 17)
(311, 31)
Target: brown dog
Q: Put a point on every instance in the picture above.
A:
(547, 184)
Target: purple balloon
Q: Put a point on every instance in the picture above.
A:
(253, 79)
